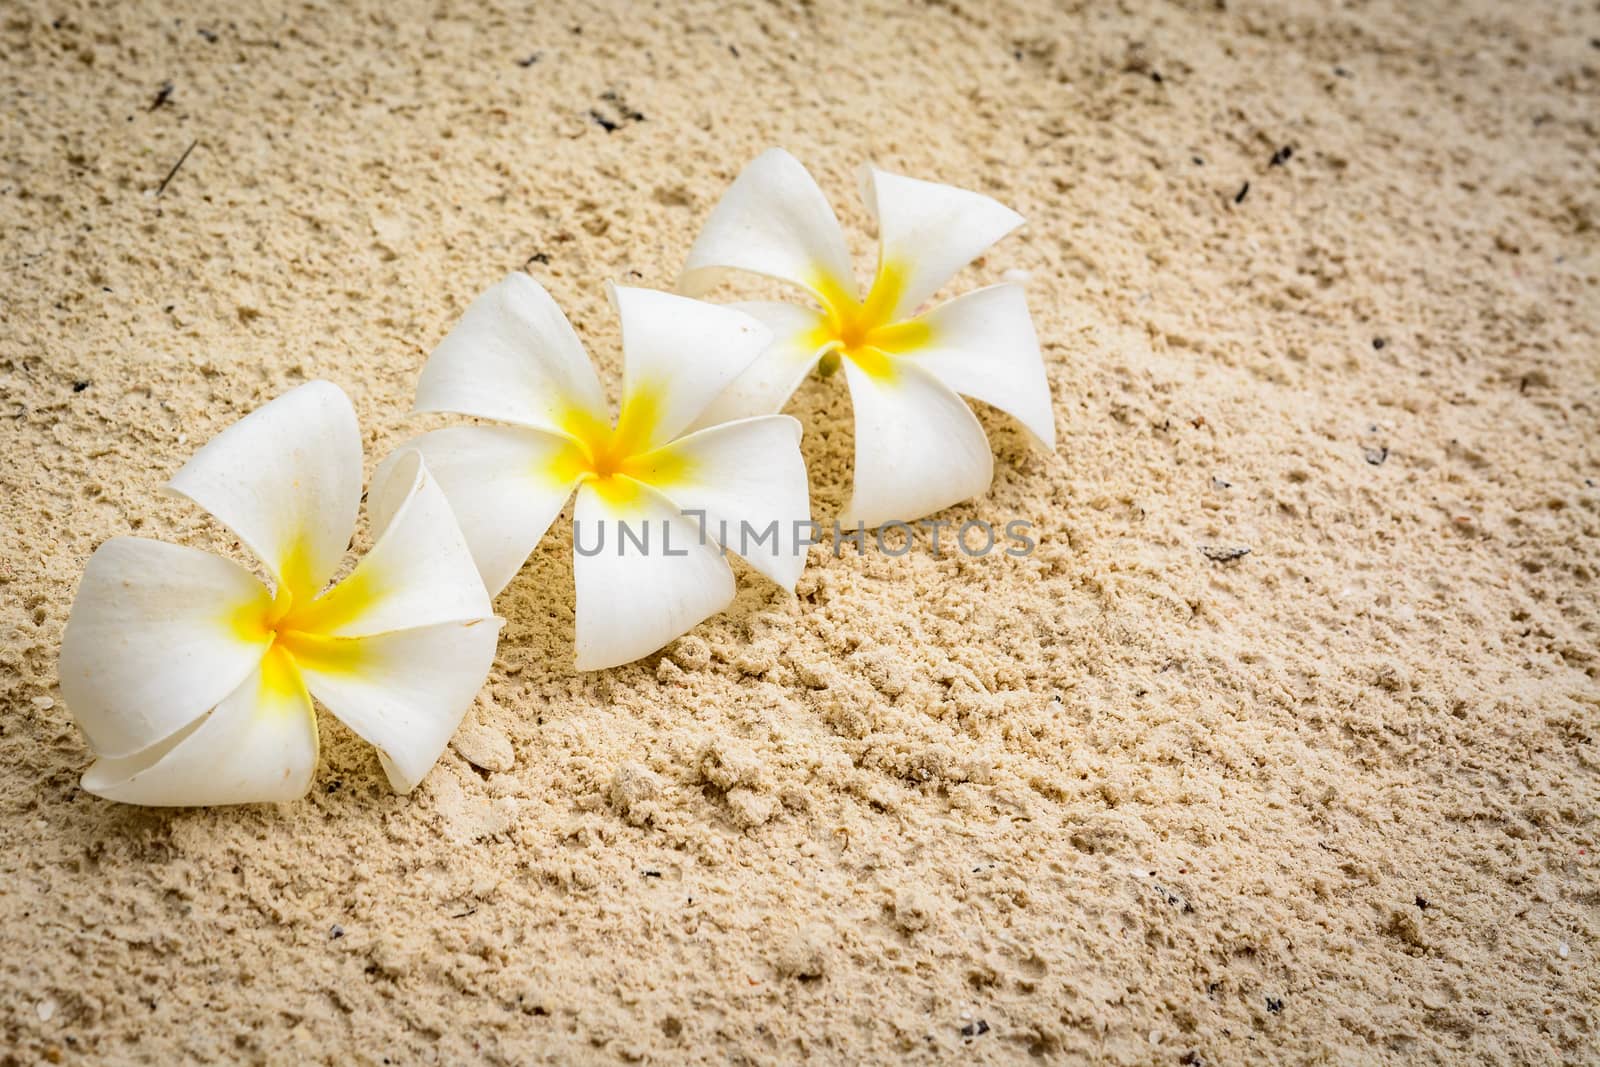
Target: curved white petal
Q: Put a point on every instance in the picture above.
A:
(286, 479)
(403, 692)
(927, 231)
(419, 572)
(983, 345)
(506, 485)
(747, 480)
(919, 448)
(157, 636)
(259, 744)
(513, 357)
(678, 354)
(773, 220)
(631, 601)
(766, 385)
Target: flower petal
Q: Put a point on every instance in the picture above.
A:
(513, 357)
(258, 745)
(766, 385)
(505, 484)
(983, 345)
(633, 600)
(678, 354)
(747, 480)
(773, 220)
(403, 692)
(286, 479)
(157, 636)
(927, 231)
(419, 572)
(919, 448)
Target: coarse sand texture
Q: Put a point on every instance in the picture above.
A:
(1280, 747)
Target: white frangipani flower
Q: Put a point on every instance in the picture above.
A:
(514, 358)
(919, 448)
(193, 682)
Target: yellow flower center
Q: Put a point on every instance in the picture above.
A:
(295, 625)
(863, 331)
(616, 458)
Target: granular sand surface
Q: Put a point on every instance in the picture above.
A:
(1318, 281)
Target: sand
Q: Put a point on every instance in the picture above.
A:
(1333, 801)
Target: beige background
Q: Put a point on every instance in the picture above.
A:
(1114, 802)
